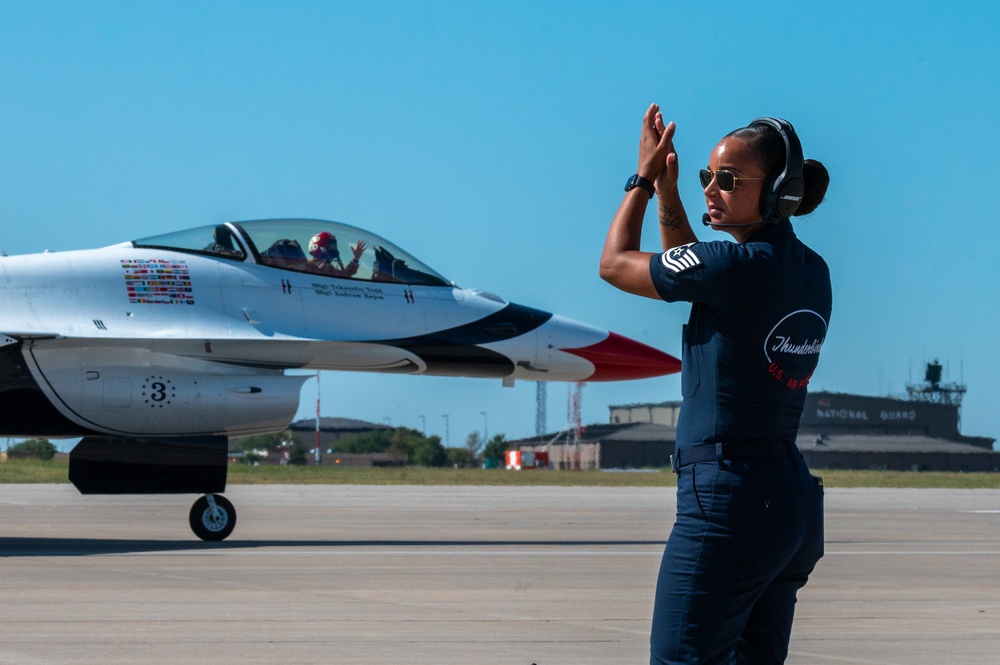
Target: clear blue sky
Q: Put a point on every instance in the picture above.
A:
(492, 141)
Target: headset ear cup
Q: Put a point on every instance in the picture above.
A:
(789, 198)
(782, 192)
(768, 198)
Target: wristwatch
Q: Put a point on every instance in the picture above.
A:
(638, 181)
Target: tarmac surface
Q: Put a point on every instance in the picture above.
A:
(442, 575)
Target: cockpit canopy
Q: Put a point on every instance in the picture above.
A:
(286, 244)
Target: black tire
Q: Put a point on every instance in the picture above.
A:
(209, 527)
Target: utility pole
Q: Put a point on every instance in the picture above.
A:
(447, 437)
(317, 418)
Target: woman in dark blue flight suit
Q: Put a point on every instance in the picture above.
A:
(749, 524)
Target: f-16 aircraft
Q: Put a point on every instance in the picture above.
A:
(157, 350)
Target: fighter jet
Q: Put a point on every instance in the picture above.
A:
(157, 350)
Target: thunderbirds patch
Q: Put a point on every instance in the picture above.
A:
(158, 282)
(680, 259)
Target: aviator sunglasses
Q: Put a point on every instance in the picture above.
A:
(725, 179)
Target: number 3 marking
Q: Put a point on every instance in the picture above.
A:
(159, 392)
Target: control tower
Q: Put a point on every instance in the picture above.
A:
(935, 392)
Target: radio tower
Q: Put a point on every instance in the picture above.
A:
(575, 419)
(932, 390)
(541, 400)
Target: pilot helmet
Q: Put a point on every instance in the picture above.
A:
(323, 243)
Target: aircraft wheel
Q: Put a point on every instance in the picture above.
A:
(212, 517)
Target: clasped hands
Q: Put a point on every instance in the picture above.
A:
(657, 157)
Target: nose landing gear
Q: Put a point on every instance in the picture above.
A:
(212, 517)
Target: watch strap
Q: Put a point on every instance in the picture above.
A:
(638, 181)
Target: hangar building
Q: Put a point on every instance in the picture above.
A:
(838, 431)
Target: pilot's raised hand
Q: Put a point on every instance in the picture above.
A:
(358, 249)
(657, 157)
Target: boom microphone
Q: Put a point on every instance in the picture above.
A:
(706, 219)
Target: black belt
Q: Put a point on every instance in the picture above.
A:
(713, 452)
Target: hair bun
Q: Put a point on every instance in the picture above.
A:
(816, 180)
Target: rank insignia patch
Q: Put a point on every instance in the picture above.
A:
(680, 259)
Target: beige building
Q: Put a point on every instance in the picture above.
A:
(660, 413)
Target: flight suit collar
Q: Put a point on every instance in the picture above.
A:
(782, 229)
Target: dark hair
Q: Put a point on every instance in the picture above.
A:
(768, 150)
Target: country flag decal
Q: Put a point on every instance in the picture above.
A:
(158, 282)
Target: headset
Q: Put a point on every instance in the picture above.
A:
(782, 192)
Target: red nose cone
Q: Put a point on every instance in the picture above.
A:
(620, 359)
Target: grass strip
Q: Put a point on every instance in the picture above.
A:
(34, 471)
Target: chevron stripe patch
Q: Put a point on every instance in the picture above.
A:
(680, 259)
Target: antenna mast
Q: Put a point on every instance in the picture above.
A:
(317, 418)
(541, 400)
(934, 391)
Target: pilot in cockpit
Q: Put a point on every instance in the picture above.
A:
(325, 257)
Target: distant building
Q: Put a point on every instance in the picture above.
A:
(661, 413)
(625, 446)
(839, 431)
(331, 430)
(842, 414)
(895, 453)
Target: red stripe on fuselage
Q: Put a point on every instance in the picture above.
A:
(619, 358)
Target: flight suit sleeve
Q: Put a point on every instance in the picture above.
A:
(696, 272)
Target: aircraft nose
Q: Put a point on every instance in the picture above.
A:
(619, 358)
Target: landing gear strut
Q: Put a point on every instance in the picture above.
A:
(212, 517)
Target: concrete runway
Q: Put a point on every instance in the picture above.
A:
(349, 574)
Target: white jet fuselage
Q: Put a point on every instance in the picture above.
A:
(142, 339)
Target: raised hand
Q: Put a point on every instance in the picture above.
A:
(358, 249)
(657, 157)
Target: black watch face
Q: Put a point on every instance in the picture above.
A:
(633, 182)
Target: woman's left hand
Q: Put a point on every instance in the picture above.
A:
(657, 157)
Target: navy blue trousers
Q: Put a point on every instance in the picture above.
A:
(747, 535)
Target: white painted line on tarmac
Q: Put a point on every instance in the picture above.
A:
(406, 553)
(507, 553)
(915, 552)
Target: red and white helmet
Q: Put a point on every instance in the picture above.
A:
(322, 243)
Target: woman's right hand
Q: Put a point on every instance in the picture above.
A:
(657, 157)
